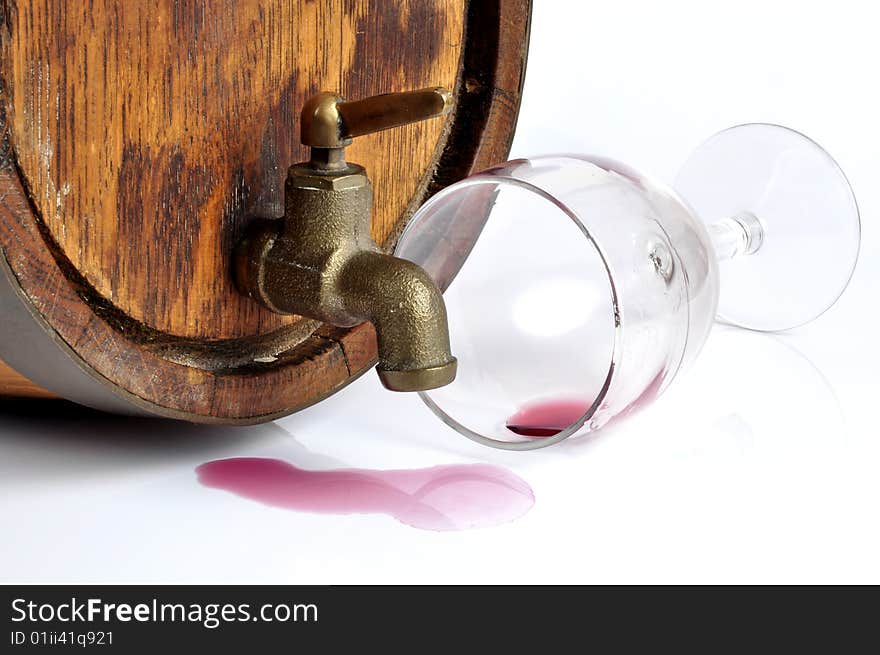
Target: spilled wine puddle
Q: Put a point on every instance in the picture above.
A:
(452, 497)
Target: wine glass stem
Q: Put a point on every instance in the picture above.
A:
(738, 235)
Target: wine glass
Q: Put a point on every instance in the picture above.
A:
(577, 288)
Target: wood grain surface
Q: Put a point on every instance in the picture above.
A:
(148, 133)
(141, 137)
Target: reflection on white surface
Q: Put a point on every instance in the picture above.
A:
(748, 390)
(48, 445)
(768, 394)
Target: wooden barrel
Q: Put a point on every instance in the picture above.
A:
(140, 139)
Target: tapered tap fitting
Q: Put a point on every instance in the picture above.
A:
(320, 262)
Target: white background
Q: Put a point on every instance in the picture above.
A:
(759, 465)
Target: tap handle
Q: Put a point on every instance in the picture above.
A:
(328, 121)
(392, 110)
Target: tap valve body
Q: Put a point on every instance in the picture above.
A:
(320, 262)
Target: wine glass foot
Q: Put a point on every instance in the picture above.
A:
(783, 219)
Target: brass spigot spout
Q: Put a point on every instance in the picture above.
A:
(320, 262)
(407, 310)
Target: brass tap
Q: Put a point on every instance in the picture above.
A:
(320, 262)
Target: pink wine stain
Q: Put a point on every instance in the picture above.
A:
(454, 497)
